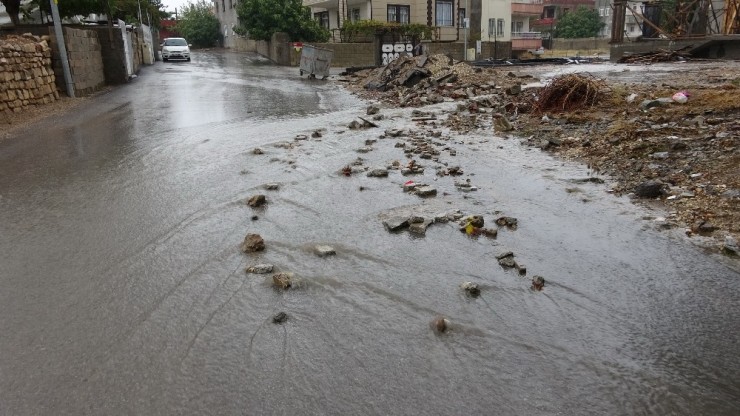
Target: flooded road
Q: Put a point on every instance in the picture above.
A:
(123, 290)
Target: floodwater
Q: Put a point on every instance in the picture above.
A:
(123, 291)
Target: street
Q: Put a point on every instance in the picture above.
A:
(123, 288)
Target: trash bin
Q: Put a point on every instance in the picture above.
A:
(315, 61)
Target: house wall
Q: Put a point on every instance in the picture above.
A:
(26, 76)
(496, 9)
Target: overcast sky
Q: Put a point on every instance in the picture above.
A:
(171, 4)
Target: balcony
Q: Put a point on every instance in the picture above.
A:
(522, 41)
(319, 3)
(526, 7)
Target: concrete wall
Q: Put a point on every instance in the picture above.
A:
(278, 49)
(114, 63)
(712, 47)
(455, 49)
(350, 54)
(85, 60)
(581, 44)
(26, 77)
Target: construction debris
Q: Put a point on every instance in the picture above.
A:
(660, 55)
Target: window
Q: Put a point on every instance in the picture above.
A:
(500, 27)
(491, 28)
(517, 27)
(443, 13)
(223, 5)
(398, 14)
(322, 18)
(216, 7)
(231, 3)
(631, 27)
(461, 18)
(355, 15)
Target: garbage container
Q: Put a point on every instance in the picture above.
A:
(315, 61)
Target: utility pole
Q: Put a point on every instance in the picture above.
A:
(62, 48)
(467, 26)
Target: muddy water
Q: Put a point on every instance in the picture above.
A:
(122, 290)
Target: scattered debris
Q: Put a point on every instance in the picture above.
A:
(608, 132)
(730, 246)
(538, 282)
(471, 289)
(257, 151)
(253, 243)
(510, 222)
(257, 201)
(396, 223)
(440, 324)
(280, 318)
(324, 250)
(282, 280)
(260, 268)
(649, 189)
(426, 191)
(272, 186)
(378, 173)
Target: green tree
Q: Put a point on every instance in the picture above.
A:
(262, 18)
(198, 24)
(152, 11)
(13, 7)
(581, 23)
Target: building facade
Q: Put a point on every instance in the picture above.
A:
(225, 11)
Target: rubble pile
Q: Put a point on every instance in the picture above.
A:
(419, 81)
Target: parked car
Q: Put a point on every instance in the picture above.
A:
(175, 48)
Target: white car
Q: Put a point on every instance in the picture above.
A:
(175, 48)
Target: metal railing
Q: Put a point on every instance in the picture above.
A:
(526, 35)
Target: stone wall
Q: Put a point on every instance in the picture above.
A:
(85, 60)
(26, 76)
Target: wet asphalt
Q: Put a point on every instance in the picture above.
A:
(123, 290)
